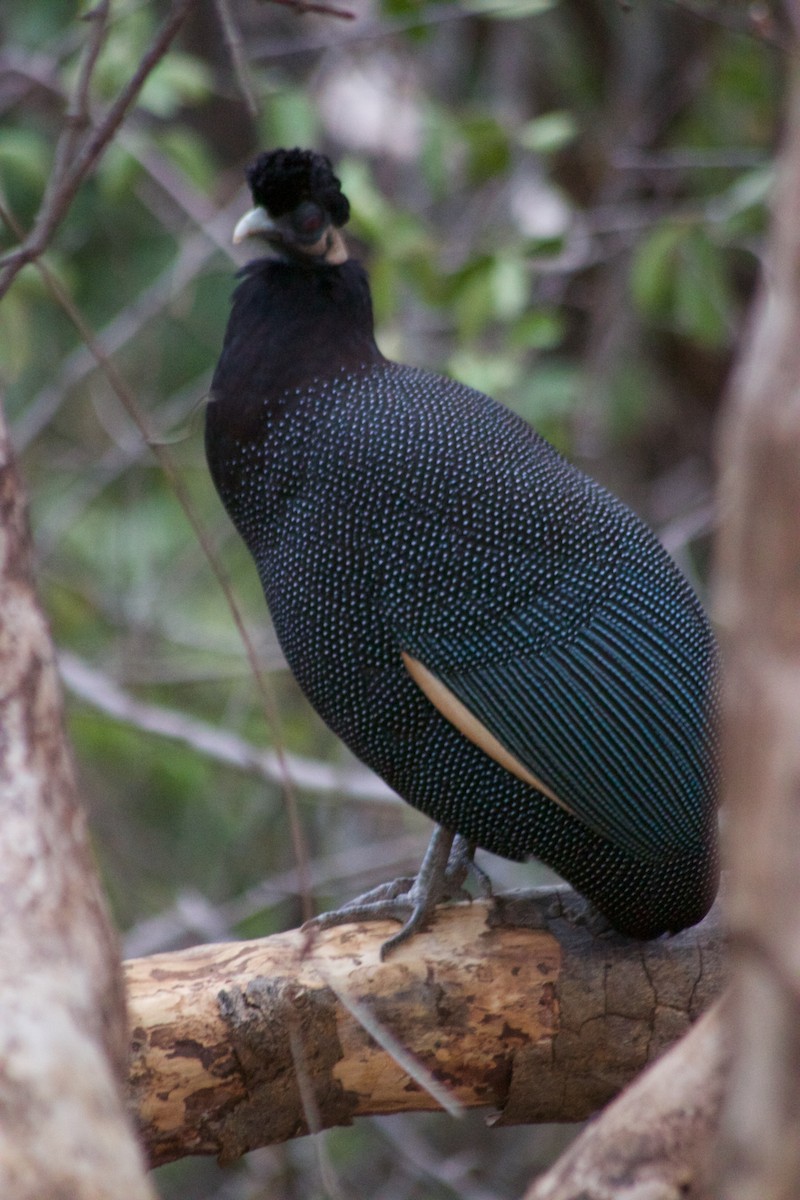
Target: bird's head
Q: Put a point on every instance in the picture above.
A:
(299, 206)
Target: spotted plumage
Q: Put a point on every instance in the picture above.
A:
(399, 518)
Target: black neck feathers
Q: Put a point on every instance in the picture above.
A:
(291, 323)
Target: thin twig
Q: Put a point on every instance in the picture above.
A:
(193, 256)
(326, 10)
(77, 119)
(63, 190)
(221, 745)
(308, 1100)
(236, 50)
(164, 458)
(192, 915)
(407, 1061)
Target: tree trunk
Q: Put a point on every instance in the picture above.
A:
(63, 1132)
(758, 603)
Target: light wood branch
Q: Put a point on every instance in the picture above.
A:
(512, 1004)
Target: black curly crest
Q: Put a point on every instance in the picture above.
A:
(282, 179)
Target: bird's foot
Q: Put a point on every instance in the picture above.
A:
(447, 863)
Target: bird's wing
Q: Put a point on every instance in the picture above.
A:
(613, 725)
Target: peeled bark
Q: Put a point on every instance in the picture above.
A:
(63, 1130)
(513, 1005)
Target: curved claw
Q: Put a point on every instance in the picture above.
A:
(447, 862)
(384, 891)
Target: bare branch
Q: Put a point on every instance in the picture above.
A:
(307, 6)
(194, 255)
(193, 918)
(180, 490)
(76, 118)
(235, 44)
(65, 186)
(512, 1005)
(98, 689)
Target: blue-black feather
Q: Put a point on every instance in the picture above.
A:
(391, 510)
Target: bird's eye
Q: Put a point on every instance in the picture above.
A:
(308, 220)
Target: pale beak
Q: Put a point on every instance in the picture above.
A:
(257, 221)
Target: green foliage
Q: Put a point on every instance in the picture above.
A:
(24, 159)
(288, 117)
(680, 280)
(548, 133)
(509, 10)
(488, 150)
(33, 26)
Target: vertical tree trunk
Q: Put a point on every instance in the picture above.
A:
(64, 1134)
(758, 604)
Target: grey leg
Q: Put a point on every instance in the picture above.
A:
(447, 862)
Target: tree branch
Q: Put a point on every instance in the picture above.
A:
(513, 1005)
(66, 181)
(221, 745)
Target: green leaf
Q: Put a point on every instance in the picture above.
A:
(473, 304)
(679, 279)
(383, 278)
(405, 9)
(190, 154)
(508, 10)
(489, 373)
(398, 233)
(653, 270)
(15, 337)
(636, 390)
(289, 119)
(538, 329)
(509, 285)
(441, 134)
(179, 81)
(551, 390)
(702, 303)
(548, 133)
(118, 171)
(742, 209)
(369, 210)
(488, 149)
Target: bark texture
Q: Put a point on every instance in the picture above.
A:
(656, 1141)
(63, 1131)
(758, 604)
(514, 1005)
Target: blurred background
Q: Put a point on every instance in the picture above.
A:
(561, 203)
